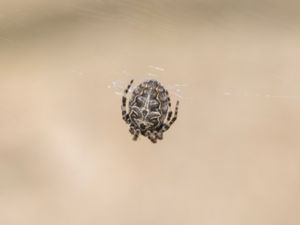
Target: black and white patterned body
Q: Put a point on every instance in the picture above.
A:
(149, 108)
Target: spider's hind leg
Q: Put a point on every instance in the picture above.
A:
(169, 105)
(134, 132)
(159, 135)
(136, 135)
(152, 136)
(167, 125)
(125, 115)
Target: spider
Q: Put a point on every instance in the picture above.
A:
(148, 110)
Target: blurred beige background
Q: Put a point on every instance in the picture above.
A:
(232, 157)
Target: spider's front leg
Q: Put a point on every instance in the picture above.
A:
(125, 115)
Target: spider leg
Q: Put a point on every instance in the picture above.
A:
(134, 132)
(170, 112)
(167, 125)
(152, 136)
(169, 116)
(136, 135)
(159, 135)
(124, 100)
(154, 140)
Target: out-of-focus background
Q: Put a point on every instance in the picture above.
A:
(231, 158)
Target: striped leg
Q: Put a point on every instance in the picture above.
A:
(136, 135)
(170, 112)
(124, 100)
(159, 135)
(152, 136)
(134, 132)
(169, 123)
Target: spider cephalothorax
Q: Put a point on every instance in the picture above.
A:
(148, 109)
